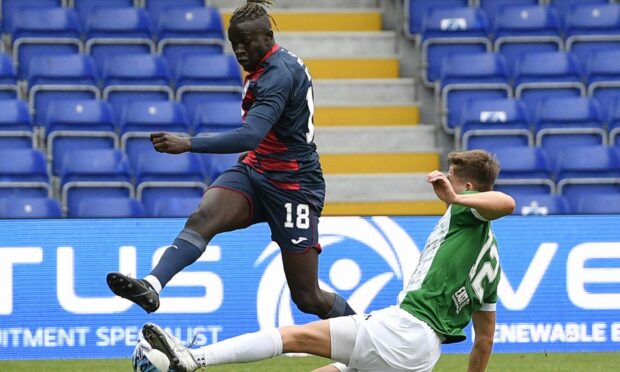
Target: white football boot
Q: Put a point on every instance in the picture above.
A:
(181, 358)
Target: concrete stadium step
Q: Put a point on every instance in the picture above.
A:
(367, 115)
(345, 19)
(384, 139)
(368, 163)
(355, 92)
(303, 4)
(398, 208)
(340, 44)
(353, 68)
(363, 194)
(371, 187)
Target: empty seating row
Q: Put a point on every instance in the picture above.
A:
(113, 31)
(555, 124)
(92, 124)
(84, 7)
(523, 29)
(97, 207)
(546, 204)
(537, 75)
(124, 78)
(109, 172)
(578, 171)
(492, 15)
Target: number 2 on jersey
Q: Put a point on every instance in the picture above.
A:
(302, 220)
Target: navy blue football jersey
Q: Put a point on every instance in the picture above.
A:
(280, 91)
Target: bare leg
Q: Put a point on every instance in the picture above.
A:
(302, 277)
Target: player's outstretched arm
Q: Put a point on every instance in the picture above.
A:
(490, 204)
(484, 328)
(244, 138)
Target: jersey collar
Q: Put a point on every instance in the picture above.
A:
(266, 56)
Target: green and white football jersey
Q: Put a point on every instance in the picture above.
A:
(457, 274)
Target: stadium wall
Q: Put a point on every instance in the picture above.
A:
(559, 291)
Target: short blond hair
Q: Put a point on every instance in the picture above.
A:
(476, 166)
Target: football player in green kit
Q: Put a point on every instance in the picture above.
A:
(454, 282)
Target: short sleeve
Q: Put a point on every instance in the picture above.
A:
(273, 89)
(465, 216)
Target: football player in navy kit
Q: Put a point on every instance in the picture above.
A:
(279, 180)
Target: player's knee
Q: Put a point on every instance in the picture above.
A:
(307, 302)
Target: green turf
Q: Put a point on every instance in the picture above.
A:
(591, 362)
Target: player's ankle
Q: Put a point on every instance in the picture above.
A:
(153, 282)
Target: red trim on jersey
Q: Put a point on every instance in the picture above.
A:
(271, 145)
(286, 185)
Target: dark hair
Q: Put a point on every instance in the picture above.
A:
(475, 166)
(253, 9)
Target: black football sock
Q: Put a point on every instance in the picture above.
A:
(186, 249)
(339, 308)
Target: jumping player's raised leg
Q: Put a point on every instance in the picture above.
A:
(293, 217)
(226, 206)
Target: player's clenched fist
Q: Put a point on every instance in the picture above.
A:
(170, 143)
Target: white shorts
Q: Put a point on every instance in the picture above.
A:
(386, 340)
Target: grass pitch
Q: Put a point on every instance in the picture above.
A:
(591, 362)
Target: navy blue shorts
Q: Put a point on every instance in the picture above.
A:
(292, 215)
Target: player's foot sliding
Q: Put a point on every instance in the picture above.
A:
(138, 291)
(181, 358)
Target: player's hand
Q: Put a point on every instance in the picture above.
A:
(442, 186)
(170, 143)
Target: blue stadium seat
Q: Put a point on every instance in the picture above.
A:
(44, 31)
(78, 124)
(25, 175)
(139, 119)
(599, 204)
(468, 76)
(9, 7)
(114, 31)
(486, 124)
(603, 77)
(155, 7)
(592, 27)
(8, 78)
(569, 121)
(94, 173)
(175, 206)
(84, 7)
(16, 129)
(448, 31)
(189, 31)
(217, 117)
(547, 74)
(494, 7)
(205, 78)
(416, 9)
(540, 204)
(613, 122)
(587, 170)
(108, 207)
(593, 19)
(564, 6)
(520, 29)
(213, 165)
(161, 175)
(33, 207)
(60, 77)
(524, 170)
(135, 77)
